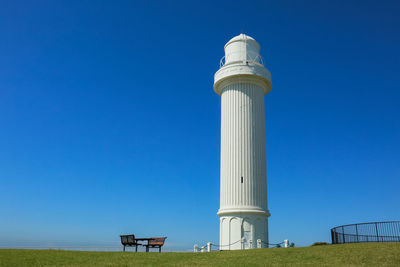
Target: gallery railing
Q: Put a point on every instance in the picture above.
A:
(255, 59)
(366, 232)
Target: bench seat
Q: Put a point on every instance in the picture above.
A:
(155, 242)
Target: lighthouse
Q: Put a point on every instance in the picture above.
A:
(242, 81)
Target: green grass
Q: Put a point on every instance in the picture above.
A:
(367, 254)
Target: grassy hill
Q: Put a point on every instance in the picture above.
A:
(367, 254)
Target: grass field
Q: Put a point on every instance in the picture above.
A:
(367, 254)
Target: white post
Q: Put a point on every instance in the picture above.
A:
(258, 243)
(209, 247)
(286, 243)
(251, 243)
(196, 248)
(202, 249)
(242, 243)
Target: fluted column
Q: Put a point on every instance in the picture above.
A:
(243, 172)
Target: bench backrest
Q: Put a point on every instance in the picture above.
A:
(157, 241)
(128, 239)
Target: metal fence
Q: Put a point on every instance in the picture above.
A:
(253, 59)
(366, 232)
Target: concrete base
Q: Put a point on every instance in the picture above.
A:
(241, 231)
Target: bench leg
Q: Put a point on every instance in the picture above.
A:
(159, 249)
(136, 249)
(147, 249)
(124, 248)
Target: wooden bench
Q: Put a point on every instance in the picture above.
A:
(155, 242)
(130, 241)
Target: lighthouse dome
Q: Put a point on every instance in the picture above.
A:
(242, 48)
(242, 37)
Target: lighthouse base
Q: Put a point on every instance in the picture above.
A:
(241, 231)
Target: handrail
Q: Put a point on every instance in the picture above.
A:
(258, 60)
(222, 62)
(354, 224)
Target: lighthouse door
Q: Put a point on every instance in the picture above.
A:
(246, 234)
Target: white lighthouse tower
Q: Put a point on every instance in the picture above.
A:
(242, 81)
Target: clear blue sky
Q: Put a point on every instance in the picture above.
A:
(109, 123)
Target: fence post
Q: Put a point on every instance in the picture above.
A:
(344, 239)
(286, 243)
(251, 243)
(377, 235)
(209, 247)
(258, 243)
(357, 233)
(242, 243)
(196, 248)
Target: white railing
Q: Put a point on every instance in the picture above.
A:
(249, 244)
(222, 62)
(259, 60)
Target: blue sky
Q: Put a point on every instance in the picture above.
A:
(109, 123)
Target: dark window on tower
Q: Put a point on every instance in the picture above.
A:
(241, 179)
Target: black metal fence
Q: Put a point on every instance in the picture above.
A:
(366, 232)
